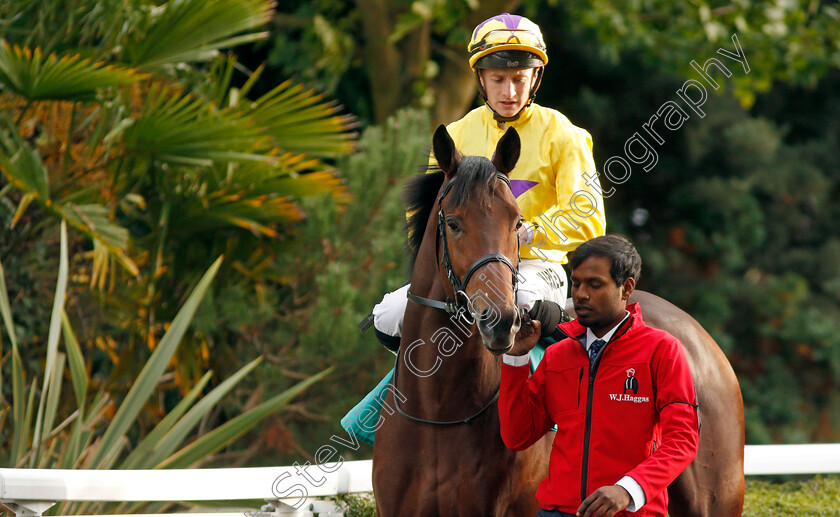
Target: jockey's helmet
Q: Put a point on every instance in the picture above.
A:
(507, 41)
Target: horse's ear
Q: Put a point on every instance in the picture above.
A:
(446, 154)
(507, 151)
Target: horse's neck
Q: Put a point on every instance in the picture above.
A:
(444, 371)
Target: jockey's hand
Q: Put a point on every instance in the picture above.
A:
(527, 337)
(604, 502)
(550, 315)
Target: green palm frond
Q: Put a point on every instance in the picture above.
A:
(95, 222)
(194, 30)
(25, 170)
(36, 76)
(255, 196)
(296, 176)
(312, 184)
(301, 121)
(257, 214)
(182, 129)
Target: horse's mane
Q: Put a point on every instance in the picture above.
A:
(421, 195)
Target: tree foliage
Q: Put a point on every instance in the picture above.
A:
(95, 432)
(127, 121)
(734, 221)
(795, 42)
(399, 53)
(345, 259)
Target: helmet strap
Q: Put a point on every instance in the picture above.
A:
(480, 86)
(536, 86)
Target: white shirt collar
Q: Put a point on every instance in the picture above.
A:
(590, 336)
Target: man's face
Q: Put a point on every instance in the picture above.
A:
(599, 302)
(507, 89)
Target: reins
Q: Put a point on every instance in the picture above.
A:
(434, 422)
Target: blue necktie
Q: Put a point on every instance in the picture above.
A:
(594, 348)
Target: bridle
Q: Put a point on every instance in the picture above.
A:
(463, 309)
(459, 288)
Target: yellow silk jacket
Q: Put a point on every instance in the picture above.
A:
(548, 181)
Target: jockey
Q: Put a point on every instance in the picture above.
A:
(554, 181)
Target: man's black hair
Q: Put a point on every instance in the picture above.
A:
(626, 262)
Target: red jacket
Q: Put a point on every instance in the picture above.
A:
(632, 414)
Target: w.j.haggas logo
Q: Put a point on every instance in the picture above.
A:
(631, 383)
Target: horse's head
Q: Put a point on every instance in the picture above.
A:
(478, 223)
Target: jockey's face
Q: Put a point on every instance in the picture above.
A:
(599, 302)
(507, 89)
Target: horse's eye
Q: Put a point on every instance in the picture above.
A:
(520, 223)
(453, 225)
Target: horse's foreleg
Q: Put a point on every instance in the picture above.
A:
(699, 493)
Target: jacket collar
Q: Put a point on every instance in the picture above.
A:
(577, 331)
(524, 116)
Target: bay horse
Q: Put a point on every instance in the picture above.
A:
(441, 453)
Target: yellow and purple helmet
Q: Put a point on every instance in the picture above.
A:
(507, 41)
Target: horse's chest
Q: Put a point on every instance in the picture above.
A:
(449, 476)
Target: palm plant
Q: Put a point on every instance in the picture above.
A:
(121, 119)
(42, 436)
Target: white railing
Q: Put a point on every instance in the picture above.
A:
(288, 490)
(29, 492)
(813, 458)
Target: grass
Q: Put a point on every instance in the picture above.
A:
(814, 497)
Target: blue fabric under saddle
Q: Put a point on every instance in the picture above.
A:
(362, 420)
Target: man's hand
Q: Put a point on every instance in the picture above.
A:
(526, 338)
(604, 502)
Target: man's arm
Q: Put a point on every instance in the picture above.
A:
(676, 404)
(522, 414)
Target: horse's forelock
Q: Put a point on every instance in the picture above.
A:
(475, 181)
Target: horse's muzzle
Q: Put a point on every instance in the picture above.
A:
(498, 330)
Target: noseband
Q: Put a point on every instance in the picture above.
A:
(464, 308)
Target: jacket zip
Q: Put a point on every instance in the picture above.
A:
(588, 422)
(587, 426)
